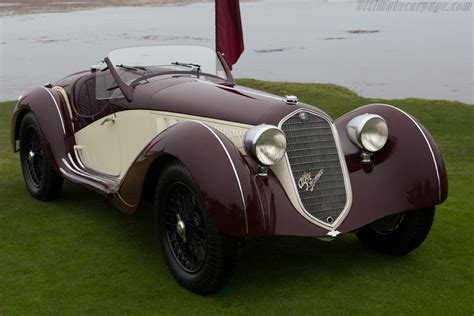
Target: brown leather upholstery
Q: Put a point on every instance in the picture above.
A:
(85, 102)
(86, 107)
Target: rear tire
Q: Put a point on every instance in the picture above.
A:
(40, 179)
(398, 234)
(199, 257)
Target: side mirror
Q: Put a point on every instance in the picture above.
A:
(101, 65)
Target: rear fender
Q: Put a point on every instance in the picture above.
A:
(407, 174)
(50, 110)
(216, 165)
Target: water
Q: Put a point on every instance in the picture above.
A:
(407, 54)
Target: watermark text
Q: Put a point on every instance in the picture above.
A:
(412, 6)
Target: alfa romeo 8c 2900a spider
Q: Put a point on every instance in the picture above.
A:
(224, 162)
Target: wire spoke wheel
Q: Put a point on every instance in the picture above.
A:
(185, 228)
(41, 180)
(34, 156)
(198, 255)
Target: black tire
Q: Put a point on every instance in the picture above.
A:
(398, 234)
(40, 179)
(200, 258)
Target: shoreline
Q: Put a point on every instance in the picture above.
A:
(26, 7)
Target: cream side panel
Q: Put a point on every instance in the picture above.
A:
(138, 127)
(99, 146)
(136, 131)
(234, 131)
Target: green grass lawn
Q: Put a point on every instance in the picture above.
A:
(80, 255)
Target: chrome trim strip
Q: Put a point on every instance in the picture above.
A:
(87, 173)
(106, 178)
(82, 180)
(243, 91)
(64, 94)
(235, 173)
(427, 142)
(345, 173)
(82, 174)
(123, 200)
(74, 164)
(78, 172)
(78, 158)
(57, 108)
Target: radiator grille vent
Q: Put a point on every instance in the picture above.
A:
(314, 162)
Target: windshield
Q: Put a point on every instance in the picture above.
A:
(139, 63)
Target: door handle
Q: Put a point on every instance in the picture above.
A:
(109, 119)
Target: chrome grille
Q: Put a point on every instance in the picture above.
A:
(312, 148)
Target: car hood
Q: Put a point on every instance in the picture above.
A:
(207, 99)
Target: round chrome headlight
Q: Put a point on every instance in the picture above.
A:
(368, 131)
(266, 144)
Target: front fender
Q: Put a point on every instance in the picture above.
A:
(217, 167)
(407, 174)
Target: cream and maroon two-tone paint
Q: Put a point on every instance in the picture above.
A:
(113, 153)
(121, 146)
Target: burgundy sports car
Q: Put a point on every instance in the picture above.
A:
(225, 162)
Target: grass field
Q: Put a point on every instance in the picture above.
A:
(80, 255)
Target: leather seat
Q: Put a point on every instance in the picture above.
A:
(86, 103)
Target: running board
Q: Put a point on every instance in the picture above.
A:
(79, 179)
(77, 172)
(107, 177)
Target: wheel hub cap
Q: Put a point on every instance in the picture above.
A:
(185, 231)
(181, 228)
(31, 156)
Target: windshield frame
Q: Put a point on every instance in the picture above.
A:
(127, 88)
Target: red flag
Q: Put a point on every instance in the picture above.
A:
(229, 36)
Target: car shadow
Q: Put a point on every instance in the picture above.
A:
(271, 263)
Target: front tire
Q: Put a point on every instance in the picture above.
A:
(398, 234)
(40, 179)
(199, 257)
